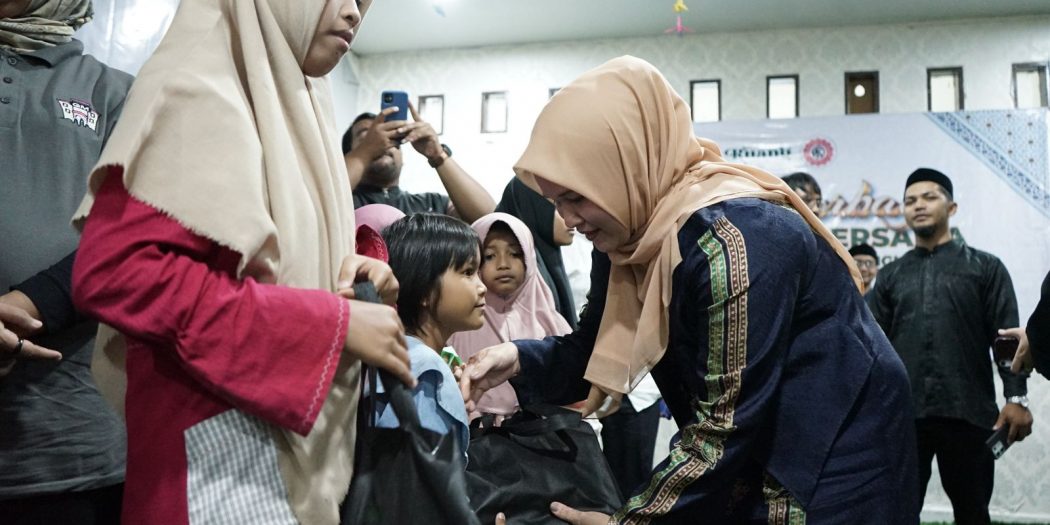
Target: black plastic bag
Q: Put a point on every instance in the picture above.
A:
(542, 454)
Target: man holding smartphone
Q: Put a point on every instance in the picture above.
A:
(372, 148)
(941, 305)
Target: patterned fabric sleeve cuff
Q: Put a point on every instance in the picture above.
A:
(331, 363)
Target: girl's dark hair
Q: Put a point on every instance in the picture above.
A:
(422, 246)
(804, 181)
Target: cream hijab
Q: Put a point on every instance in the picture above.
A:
(224, 133)
(45, 23)
(622, 138)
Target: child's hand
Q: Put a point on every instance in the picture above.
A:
(360, 268)
(376, 337)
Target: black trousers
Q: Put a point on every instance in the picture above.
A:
(966, 465)
(628, 441)
(89, 507)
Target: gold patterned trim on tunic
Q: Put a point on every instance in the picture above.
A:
(784, 509)
(703, 443)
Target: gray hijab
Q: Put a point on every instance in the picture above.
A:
(45, 23)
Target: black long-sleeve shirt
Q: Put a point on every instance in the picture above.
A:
(942, 309)
(1039, 331)
(51, 293)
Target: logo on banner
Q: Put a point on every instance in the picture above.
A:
(818, 152)
(79, 113)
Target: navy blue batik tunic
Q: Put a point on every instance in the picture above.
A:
(793, 407)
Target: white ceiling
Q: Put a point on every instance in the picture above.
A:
(397, 25)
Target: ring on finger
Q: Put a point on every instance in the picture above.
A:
(18, 347)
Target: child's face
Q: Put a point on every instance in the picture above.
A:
(502, 263)
(461, 306)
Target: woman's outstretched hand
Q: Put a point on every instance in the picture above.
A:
(486, 369)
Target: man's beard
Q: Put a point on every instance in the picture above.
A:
(381, 173)
(925, 231)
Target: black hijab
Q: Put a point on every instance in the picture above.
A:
(538, 214)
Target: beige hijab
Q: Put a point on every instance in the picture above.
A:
(45, 23)
(223, 132)
(622, 138)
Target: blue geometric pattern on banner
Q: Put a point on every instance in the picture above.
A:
(1013, 143)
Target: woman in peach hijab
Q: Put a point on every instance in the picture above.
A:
(218, 239)
(793, 406)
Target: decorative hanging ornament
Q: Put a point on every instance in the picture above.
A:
(678, 28)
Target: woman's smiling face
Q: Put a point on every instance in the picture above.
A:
(585, 216)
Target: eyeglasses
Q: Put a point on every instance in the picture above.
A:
(866, 264)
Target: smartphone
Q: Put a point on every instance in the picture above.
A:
(395, 98)
(997, 443)
(1004, 349)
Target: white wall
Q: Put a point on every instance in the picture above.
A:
(985, 49)
(345, 89)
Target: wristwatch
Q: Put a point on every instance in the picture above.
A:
(1018, 400)
(437, 162)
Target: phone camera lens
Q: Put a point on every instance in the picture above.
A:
(388, 98)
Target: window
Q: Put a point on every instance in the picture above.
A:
(494, 112)
(705, 100)
(944, 89)
(1029, 85)
(432, 111)
(862, 92)
(782, 96)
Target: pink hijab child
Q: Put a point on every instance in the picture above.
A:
(519, 305)
(371, 220)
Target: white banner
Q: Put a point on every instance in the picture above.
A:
(998, 164)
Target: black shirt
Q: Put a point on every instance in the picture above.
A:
(407, 202)
(1039, 331)
(942, 309)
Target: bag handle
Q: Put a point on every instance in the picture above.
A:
(548, 419)
(400, 397)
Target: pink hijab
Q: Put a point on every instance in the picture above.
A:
(371, 220)
(377, 216)
(529, 313)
